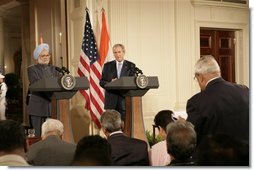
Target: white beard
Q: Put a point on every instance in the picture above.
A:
(43, 62)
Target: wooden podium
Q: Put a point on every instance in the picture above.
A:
(53, 89)
(126, 86)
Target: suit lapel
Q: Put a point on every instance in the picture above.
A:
(114, 70)
(124, 69)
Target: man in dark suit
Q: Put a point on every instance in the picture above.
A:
(125, 151)
(221, 107)
(112, 71)
(51, 150)
(39, 106)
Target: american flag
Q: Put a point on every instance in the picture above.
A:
(91, 67)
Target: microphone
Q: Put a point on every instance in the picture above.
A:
(138, 71)
(59, 69)
(65, 70)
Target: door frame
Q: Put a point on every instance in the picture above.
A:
(216, 34)
(241, 47)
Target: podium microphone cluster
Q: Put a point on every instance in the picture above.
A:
(138, 71)
(63, 70)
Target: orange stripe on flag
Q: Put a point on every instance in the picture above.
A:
(104, 41)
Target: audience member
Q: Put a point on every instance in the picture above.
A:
(158, 153)
(181, 142)
(12, 144)
(221, 106)
(92, 151)
(126, 151)
(223, 150)
(51, 150)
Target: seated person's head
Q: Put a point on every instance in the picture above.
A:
(161, 120)
(92, 151)
(181, 139)
(12, 136)
(111, 121)
(52, 127)
(223, 150)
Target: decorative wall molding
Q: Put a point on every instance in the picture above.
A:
(221, 3)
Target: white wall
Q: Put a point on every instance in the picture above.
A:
(147, 28)
(162, 38)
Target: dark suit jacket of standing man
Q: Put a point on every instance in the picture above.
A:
(113, 100)
(223, 107)
(51, 152)
(126, 151)
(40, 102)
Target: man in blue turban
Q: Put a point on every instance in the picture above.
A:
(39, 105)
(39, 49)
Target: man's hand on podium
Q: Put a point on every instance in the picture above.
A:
(113, 79)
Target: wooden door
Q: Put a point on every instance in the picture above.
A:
(220, 44)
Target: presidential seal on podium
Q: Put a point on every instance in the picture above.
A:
(142, 81)
(68, 82)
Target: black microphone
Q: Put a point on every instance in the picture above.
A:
(65, 70)
(138, 71)
(59, 70)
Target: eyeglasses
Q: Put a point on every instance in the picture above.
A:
(195, 77)
(173, 117)
(47, 55)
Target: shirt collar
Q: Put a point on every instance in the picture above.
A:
(211, 80)
(116, 132)
(119, 62)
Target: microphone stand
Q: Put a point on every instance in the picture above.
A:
(61, 60)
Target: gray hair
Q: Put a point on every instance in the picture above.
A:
(206, 64)
(181, 139)
(119, 45)
(52, 125)
(111, 120)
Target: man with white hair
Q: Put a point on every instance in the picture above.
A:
(3, 90)
(39, 106)
(51, 150)
(221, 107)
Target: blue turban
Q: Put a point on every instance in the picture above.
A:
(38, 49)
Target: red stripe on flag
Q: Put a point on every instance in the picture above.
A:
(87, 98)
(97, 106)
(84, 63)
(96, 71)
(97, 90)
(95, 119)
